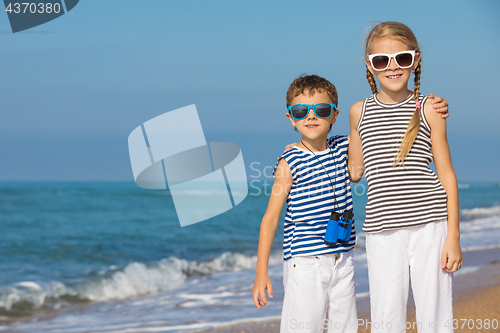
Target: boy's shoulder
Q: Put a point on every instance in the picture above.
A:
(291, 158)
(292, 152)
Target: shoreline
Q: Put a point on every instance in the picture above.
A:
(476, 299)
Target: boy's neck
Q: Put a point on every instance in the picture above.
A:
(393, 97)
(318, 144)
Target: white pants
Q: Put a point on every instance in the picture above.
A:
(396, 257)
(319, 294)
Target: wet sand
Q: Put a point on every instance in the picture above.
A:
(476, 303)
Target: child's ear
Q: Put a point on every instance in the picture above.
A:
(335, 115)
(369, 66)
(416, 61)
(289, 116)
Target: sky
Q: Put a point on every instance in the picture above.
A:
(73, 89)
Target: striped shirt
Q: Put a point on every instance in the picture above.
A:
(310, 200)
(399, 196)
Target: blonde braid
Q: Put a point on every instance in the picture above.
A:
(413, 126)
(371, 81)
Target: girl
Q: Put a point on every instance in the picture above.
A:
(412, 213)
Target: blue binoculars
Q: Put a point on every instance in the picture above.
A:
(338, 229)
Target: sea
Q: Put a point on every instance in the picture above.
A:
(112, 257)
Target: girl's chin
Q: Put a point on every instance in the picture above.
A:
(394, 87)
(403, 79)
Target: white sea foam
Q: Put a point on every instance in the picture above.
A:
(29, 284)
(480, 233)
(227, 261)
(136, 279)
(481, 212)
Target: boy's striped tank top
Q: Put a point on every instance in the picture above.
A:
(310, 200)
(400, 196)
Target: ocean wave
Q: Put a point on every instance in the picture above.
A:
(480, 233)
(135, 280)
(228, 261)
(480, 225)
(474, 213)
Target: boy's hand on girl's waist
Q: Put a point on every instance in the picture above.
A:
(290, 146)
(262, 282)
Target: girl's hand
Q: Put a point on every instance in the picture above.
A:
(440, 105)
(262, 282)
(451, 256)
(291, 145)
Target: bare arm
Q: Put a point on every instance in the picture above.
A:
(355, 162)
(282, 183)
(451, 257)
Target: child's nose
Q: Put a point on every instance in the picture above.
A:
(311, 113)
(392, 64)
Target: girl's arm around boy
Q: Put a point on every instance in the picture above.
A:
(282, 183)
(355, 162)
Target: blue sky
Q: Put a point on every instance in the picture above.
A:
(74, 88)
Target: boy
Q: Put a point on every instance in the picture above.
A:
(313, 179)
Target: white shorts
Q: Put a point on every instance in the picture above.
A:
(411, 254)
(319, 294)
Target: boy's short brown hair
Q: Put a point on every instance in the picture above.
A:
(312, 84)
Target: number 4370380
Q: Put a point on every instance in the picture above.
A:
(473, 324)
(27, 7)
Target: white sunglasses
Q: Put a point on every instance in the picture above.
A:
(381, 61)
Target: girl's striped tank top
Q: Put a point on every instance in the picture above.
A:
(400, 196)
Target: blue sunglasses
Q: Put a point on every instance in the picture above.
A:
(322, 110)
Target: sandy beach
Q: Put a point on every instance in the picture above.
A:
(476, 302)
